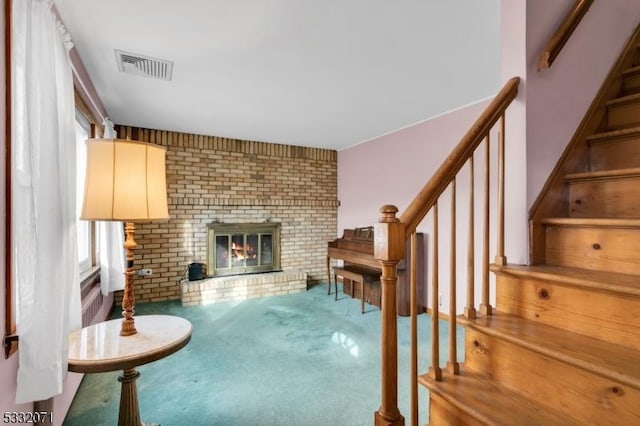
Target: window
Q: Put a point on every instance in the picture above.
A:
(84, 227)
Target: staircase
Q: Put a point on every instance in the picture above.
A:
(562, 345)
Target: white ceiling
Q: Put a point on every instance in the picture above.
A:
(329, 73)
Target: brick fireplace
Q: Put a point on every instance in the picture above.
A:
(228, 181)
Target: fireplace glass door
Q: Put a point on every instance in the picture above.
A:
(243, 248)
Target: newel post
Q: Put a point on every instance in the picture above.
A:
(389, 245)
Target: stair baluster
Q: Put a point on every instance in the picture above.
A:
(470, 309)
(414, 328)
(452, 366)
(485, 306)
(434, 371)
(500, 257)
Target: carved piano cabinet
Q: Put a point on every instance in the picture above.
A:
(355, 247)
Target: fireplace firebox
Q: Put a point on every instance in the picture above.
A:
(242, 248)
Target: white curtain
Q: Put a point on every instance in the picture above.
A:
(111, 256)
(111, 242)
(44, 252)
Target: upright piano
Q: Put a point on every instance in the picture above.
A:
(355, 247)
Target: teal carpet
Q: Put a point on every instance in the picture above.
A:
(299, 359)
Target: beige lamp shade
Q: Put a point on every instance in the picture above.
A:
(125, 181)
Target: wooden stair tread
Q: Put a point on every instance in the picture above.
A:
(604, 174)
(606, 359)
(612, 134)
(485, 400)
(627, 284)
(624, 99)
(599, 222)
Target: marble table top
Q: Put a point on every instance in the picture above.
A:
(100, 348)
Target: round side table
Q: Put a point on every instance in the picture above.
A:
(100, 348)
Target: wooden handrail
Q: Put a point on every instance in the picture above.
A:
(563, 33)
(430, 192)
(391, 234)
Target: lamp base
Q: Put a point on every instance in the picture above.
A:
(128, 327)
(128, 298)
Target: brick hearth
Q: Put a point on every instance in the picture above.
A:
(241, 287)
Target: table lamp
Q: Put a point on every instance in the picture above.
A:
(125, 181)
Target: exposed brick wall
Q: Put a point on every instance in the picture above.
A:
(228, 180)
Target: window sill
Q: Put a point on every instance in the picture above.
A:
(89, 274)
(89, 278)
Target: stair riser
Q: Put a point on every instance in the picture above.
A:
(598, 248)
(619, 153)
(614, 318)
(605, 198)
(559, 386)
(632, 83)
(441, 413)
(624, 115)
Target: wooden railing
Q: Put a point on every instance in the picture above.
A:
(391, 233)
(563, 33)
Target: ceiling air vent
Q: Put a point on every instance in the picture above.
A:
(145, 66)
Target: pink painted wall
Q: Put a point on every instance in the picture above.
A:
(558, 98)
(391, 169)
(513, 63)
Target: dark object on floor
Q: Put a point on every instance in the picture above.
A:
(196, 271)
